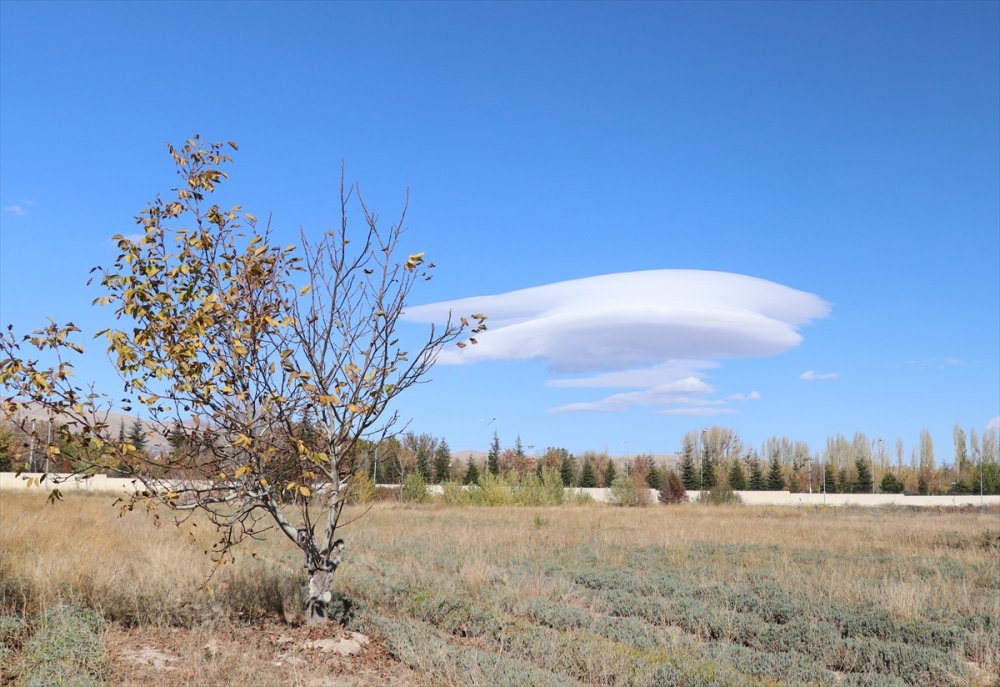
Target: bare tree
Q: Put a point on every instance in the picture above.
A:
(267, 366)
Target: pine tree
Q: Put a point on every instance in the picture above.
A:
(830, 479)
(757, 481)
(609, 474)
(518, 447)
(587, 478)
(737, 480)
(121, 432)
(654, 479)
(864, 483)
(689, 476)
(471, 473)
(775, 480)
(707, 477)
(568, 471)
(423, 465)
(442, 463)
(890, 485)
(493, 458)
(137, 436)
(844, 481)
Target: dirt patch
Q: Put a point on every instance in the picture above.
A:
(241, 656)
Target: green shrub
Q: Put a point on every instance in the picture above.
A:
(414, 489)
(552, 485)
(625, 491)
(719, 495)
(454, 494)
(495, 489)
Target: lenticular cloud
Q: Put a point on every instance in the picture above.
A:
(634, 319)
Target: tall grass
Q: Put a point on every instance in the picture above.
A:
(563, 595)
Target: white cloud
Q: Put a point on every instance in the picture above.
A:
(954, 362)
(696, 412)
(655, 330)
(811, 376)
(680, 391)
(16, 210)
(657, 375)
(994, 424)
(752, 396)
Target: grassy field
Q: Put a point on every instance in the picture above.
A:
(680, 595)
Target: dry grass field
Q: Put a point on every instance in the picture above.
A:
(679, 595)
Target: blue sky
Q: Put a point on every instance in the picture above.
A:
(844, 157)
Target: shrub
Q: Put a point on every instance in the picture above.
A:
(66, 651)
(719, 495)
(552, 485)
(362, 489)
(454, 494)
(672, 490)
(623, 491)
(414, 489)
(495, 490)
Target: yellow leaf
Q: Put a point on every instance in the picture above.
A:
(304, 490)
(242, 441)
(242, 470)
(354, 407)
(326, 398)
(263, 482)
(305, 289)
(172, 494)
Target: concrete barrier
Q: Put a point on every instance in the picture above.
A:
(105, 484)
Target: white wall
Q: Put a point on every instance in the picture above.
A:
(105, 484)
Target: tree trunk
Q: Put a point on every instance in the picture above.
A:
(319, 594)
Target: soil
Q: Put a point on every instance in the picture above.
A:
(266, 655)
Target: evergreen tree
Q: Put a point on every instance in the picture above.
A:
(493, 457)
(609, 473)
(568, 471)
(757, 481)
(137, 436)
(830, 478)
(737, 480)
(864, 483)
(775, 480)
(707, 477)
(844, 481)
(471, 473)
(518, 447)
(689, 475)
(423, 465)
(890, 485)
(654, 479)
(587, 478)
(121, 432)
(442, 463)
